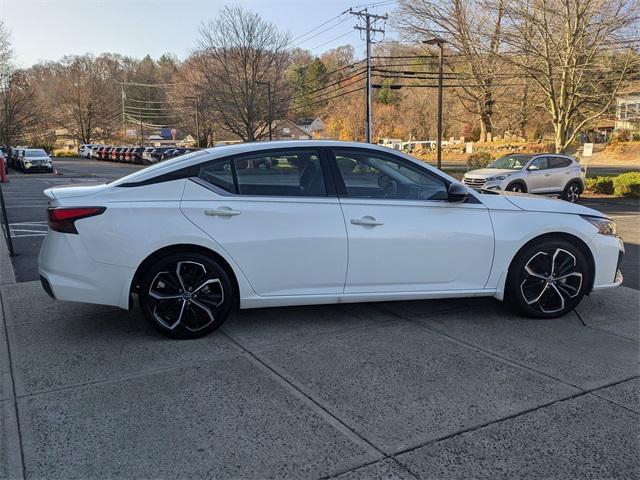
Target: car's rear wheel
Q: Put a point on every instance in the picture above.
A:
(186, 295)
(572, 192)
(547, 279)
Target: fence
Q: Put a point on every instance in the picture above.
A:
(5, 223)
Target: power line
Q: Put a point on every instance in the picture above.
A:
(329, 98)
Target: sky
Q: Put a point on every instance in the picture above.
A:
(49, 29)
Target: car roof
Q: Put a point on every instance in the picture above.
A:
(240, 148)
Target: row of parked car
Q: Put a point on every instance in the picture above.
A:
(136, 154)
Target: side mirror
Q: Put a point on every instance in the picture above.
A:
(457, 193)
(533, 167)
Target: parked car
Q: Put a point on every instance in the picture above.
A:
(146, 155)
(136, 155)
(3, 157)
(106, 153)
(329, 222)
(36, 159)
(93, 152)
(115, 153)
(85, 148)
(545, 173)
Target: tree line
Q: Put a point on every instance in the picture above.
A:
(533, 68)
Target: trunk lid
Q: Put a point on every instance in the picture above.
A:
(72, 191)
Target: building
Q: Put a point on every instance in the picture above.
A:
(313, 126)
(628, 108)
(287, 130)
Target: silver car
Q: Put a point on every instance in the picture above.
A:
(35, 159)
(546, 174)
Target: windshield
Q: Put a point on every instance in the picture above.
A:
(510, 162)
(35, 153)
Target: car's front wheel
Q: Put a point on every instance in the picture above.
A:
(572, 192)
(186, 295)
(547, 279)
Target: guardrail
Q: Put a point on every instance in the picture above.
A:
(6, 231)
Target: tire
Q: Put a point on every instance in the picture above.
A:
(186, 313)
(517, 187)
(536, 289)
(572, 192)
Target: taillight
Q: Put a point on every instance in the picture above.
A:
(61, 219)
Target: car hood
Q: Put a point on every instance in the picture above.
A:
(489, 172)
(533, 203)
(36, 159)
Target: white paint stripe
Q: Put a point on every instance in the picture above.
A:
(625, 216)
(44, 222)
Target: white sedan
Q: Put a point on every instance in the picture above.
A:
(311, 222)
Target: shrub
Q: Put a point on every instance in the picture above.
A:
(478, 160)
(64, 153)
(627, 185)
(635, 137)
(603, 185)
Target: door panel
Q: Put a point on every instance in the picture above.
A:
(538, 180)
(284, 246)
(414, 246)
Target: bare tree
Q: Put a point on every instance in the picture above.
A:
(86, 96)
(565, 48)
(240, 57)
(473, 33)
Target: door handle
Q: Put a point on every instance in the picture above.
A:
(222, 212)
(366, 221)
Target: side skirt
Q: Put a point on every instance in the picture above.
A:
(287, 301)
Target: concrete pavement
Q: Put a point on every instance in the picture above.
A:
(429, 389)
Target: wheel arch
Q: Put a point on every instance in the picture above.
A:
(577, 180)
(518, 181)
(573, 239)
(185, 248)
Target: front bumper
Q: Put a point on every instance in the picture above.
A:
(608, 254)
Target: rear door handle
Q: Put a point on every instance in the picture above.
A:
(367, 221)
(222, 212)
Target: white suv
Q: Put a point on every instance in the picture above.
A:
(543, 174)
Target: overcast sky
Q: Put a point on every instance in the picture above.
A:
(50, 29)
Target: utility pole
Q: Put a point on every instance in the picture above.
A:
(197, 123)
(368, 29)
(439, 42)
(269, 107)
(124, 131)
(141, 128)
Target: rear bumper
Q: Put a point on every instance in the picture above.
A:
(67, 272)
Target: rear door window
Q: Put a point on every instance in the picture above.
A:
(559, 162)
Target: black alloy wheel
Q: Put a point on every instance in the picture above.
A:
(547, 280)
(186, 295)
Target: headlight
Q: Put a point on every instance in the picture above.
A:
(494, 179)
(604, 225)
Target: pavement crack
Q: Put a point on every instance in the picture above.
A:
(519, 414)
(300, 391)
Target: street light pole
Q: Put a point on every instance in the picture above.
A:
(439, 42)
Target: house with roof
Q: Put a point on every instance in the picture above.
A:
(628, 108)
(312, 126)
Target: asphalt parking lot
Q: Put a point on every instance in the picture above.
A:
(447, 389)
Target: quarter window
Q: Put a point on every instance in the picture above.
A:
(218, 173)
(372, 175)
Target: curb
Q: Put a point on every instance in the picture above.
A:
(7, 274)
